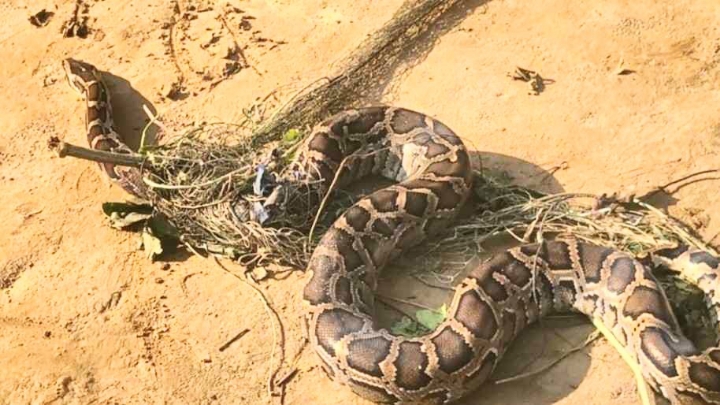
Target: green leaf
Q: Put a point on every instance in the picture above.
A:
(431, 319)
(291, 136)
(407, 327)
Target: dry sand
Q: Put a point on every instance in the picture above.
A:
(85, 318)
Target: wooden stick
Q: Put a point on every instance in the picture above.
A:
(121, 159)
(234, 339)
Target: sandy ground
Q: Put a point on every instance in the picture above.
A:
(85, 318)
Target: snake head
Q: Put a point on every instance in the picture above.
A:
(80, 74)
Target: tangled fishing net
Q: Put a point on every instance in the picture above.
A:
(207, 187)
(210, 181)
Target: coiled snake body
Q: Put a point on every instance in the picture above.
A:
(496, 300)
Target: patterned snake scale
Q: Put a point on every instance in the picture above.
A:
(491, 305)
(100, 127)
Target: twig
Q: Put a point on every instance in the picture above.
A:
(183, 284)
(593, 336)
(121, 159)
(383, 301)
(287, 376)
(233, 339)
(665, 186)
(282, 382)
(189, 186)
(432, 285)
(406, 302)
(330, 189)
(278, 332)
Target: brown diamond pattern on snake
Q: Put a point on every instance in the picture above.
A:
(404, 121)
(558, 256)
(484, 276)
(333, 324)
(365, 297)
(376, 249)
(369, 117)
(453, 352)
(365, 354)
(448, 197)
(705, 376)
(343, 241)
(105, 144)
(644, 300)
(423, 138)
(714, 354)
(316, 290)
(94, 113)
(566, 291)
(366, 166)
(348, 172)
(460, 168)
(622, 273)
(704, 257)
(372, 393)
(385, 200)
(662, 350)
(446, 133)
(653, 342)
(476, 315)
(322, 170)
(94, 91)
(357, 217)
(592, 258)
(518, 273)
(322, 142)
(96, 131)
(416, 203)
(342, 290)
(483, 372)
(536, 249)
(411, 364)
(381, 227)
(435, 149)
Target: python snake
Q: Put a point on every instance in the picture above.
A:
(491, 306)
(99, 123)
